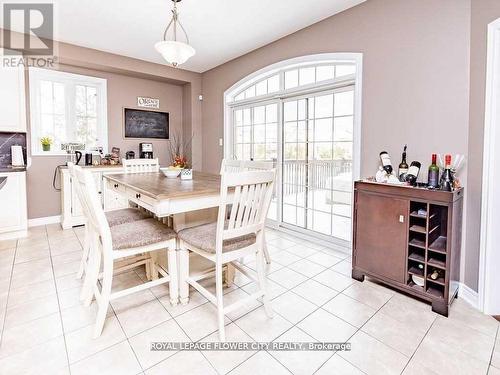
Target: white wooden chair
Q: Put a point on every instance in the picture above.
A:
(228, 240)
(109, 245)
(235, 166)
(126, 215)
(140, 165)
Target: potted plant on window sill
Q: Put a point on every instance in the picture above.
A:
(46, 142)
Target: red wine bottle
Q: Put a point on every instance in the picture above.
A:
(433, 177)
(446, 182)
(386, 162)
(413, 171)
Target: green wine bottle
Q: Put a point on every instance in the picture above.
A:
(433, 180)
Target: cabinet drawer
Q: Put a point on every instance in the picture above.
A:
(116, 187)
(140, 198)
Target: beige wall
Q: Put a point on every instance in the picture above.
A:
(483, 12)
(415, 77)
(177, 89)
(122, 91)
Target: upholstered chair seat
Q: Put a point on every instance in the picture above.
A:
(203, 238)
(125, 215)
(140, 233)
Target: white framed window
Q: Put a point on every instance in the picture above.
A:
(309, 124)
(67, 107)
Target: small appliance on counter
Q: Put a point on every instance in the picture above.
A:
(146, 150)
(17, 156)
(88, 158)
(130, 155)
(73, 151)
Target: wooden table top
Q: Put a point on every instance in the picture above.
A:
(159, 187)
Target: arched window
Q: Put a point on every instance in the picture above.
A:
(303, 114)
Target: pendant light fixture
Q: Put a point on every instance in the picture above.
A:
(174, 51)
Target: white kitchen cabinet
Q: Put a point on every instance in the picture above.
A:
(13, 211)
(12, 97)
(72, 214)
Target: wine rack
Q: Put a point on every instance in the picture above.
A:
(427, 248)
(409, 238)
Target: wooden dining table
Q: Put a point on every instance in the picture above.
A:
(188, 202)
(191, 202)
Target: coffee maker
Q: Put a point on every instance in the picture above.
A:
(146, 150)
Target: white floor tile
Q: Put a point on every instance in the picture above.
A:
(338, 366)
(300, 362)
(334, 280)
(34, 309)
(31, 292)
(260, 327)
(261, 363)
(495, 358)
(118, 359)
(47, 358)
(373, 357)
(225, 361)
(368, 295)
(195, 300)
(344, 267)
(81, 344)
(274, 289)
(306, 267)
(80, 316)
(143, 317)
(287, 278)
(165, 332)
(26, 336)
(182, 363)
(302, 250)
(199, 322)
(235, 296)
(402, 337)
(315, 292)
(324, 326)
(282, 243)
(293, 307)
(350, 310)
(324, 259)
(284, 258)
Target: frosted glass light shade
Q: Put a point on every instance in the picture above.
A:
(174, 52)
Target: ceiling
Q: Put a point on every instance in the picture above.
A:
(219, 30)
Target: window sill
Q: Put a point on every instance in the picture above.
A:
(49, 153)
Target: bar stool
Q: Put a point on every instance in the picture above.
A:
(111, 244)
(230, 239)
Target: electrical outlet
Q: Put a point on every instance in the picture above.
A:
(221, 142)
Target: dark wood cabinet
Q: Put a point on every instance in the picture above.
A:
(410, 239)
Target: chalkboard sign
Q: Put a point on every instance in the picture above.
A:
(146, 124)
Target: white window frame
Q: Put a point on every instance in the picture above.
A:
(281, 68)
(38, 74)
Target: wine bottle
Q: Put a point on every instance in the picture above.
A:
(403, 166)
(433, 177)
(413, 171)
(446, 182)
(386, 162)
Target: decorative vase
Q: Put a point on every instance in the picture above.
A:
(186, 174)
(45, 147)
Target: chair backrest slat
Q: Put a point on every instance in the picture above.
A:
(140, 165)
(247, 194)
(233, 166)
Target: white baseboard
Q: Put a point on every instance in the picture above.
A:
(44, 221)
(469, 295)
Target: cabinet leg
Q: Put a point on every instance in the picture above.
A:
(356, 275)
(440, 307)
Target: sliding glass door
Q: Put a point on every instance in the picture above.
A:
(317, 162)
(301, 117)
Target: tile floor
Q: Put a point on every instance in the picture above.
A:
(45, 329)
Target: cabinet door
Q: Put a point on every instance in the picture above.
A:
(12, 98)
(13, 198)
(76, 207)
(381, 235)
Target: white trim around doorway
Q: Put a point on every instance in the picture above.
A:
(489, 259)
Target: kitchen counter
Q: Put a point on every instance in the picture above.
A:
(10, 169)
(117, 166)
